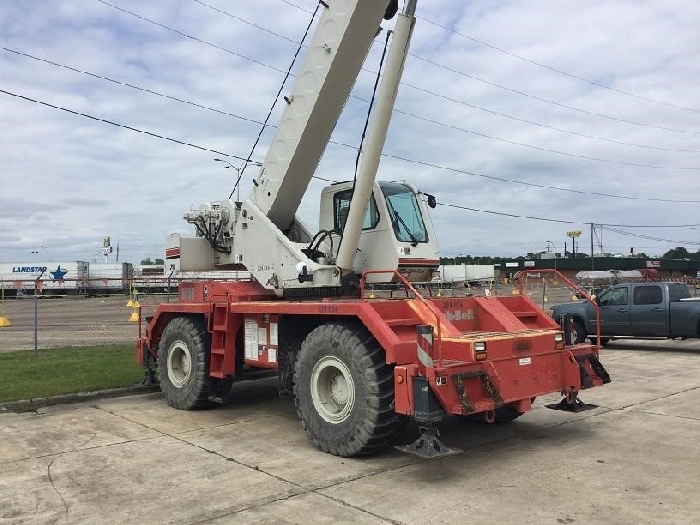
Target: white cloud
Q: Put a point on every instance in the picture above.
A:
(68, 180)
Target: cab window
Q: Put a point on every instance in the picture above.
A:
(341, 208)
(613, 297)
(647, 295)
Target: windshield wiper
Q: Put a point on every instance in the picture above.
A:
(400, 220)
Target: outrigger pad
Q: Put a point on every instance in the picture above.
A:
(428, 445)
(576, 406)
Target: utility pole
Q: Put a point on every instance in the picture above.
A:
(592, 260)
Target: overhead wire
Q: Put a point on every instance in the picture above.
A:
(649, 237)
(456, 206)
(277, 97)
(264, 124)
(540, 148)
(191, 37)
(585, 157)
(346, 145)
(131, 128)
(133, 86)
(556, 70)
(535, 97)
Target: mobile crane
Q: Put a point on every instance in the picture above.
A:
(358, 366)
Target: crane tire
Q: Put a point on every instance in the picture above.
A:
(344, 391)
(578, 334)
(183, 363)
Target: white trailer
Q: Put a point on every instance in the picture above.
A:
(107, 278)
(49, 278)
(467, 273)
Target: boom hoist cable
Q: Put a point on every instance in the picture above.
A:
(277, 97)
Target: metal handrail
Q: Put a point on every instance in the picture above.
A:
(433, 309)
(571, 284)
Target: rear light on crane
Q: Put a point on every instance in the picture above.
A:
(559, 341)
(480, 351)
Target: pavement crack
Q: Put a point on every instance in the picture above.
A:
(53, 484)
(48, 470)
(666, 415)
(631, 405)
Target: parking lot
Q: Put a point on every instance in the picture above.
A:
(133, 459)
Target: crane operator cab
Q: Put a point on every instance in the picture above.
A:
(396, 232)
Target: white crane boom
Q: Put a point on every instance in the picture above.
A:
(333, 61)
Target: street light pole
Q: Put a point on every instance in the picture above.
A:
(238, 178)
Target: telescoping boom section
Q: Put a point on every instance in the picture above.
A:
(359, 368)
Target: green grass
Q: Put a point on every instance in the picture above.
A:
(67, 370)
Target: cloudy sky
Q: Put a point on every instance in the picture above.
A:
(577, 111)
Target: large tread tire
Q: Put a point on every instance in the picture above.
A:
(183, 363)
(578, 334)
(603, 340)
(344, 391)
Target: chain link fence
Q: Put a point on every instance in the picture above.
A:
(37, 314)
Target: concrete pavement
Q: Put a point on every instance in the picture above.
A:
(635, 459)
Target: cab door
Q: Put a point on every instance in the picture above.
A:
(648, 311)
(615, 311)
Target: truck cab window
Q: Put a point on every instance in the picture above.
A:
(341, 208)
(613, 297)
(647, 295)
(677, 291)
(404, 213)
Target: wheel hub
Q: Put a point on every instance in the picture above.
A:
(179, 364)
(332, 389)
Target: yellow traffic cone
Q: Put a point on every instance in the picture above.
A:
(4, 321)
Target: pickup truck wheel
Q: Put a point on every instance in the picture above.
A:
(344, 391)
(183, 359)
(603, 340)
(578, 332)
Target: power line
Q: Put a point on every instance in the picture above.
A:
(649, 237)
(538, 124)
(277, 97)
(397, 157)
(535, 97)
(124, 126)
(216, 46)
(524, 183)
(242, 158)
(555, 70)
(540, 148)
(133, 86)
(548, 101)
(647, 225)
(503, 214)
(264, 124)
(242, 20)
(585, 157)
(466, 208)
